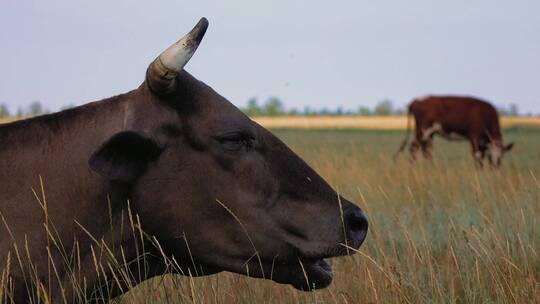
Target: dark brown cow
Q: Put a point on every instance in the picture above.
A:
(454, 118)
(217, 191)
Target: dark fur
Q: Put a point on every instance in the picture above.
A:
(167, 156)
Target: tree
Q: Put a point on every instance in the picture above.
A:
(384, 107)
(35, 109)
(4, 111)
(399, 111)
(308, 111)
(325, 111)
(294, 112)
(364, 111)
(252, 108)
(273, 107)
(513, 110)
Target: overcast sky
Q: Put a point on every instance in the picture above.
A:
(316, 53)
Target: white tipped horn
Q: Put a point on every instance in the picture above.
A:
(162, 72)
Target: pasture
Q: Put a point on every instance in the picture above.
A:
(441, 232)
(368, 122)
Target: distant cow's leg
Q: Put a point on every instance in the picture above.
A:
(418, 142)
(426, 148)
(418, 139)
(413, 148)
(478, 151)
(483, 152)
(426, 137)
(423, 139)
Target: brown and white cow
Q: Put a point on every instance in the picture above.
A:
(455, 118)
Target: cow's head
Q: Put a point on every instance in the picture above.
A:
(218, 190)
(496, 150)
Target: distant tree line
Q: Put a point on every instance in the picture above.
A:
(511, 110)
(35, 108)
(273, 106)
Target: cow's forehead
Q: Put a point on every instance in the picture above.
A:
(220, 116)
(210, 108)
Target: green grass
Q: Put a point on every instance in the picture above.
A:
(440, 231)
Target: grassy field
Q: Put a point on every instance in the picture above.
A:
(441, 232)
(356, 122)
(367, 122)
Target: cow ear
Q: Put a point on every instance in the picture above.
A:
(508, 147)
(124, 156)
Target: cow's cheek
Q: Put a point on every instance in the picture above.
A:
(247, 194)
(248, 182)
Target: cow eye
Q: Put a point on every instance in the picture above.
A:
(236, 141)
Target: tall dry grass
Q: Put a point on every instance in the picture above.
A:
(440, 231)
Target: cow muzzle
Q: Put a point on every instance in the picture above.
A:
(356, 226)
(317, 272)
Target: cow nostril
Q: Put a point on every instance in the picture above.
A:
(357, 226)
(357, 221)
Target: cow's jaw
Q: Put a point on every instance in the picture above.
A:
(304, 274)
(319, 275)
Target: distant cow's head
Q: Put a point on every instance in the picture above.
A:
(218, 190)
(496, 150)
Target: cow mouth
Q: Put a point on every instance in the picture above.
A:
(305, 271)
(318, 274)
(307, 274)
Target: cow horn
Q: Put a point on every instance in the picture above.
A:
(162, 72)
